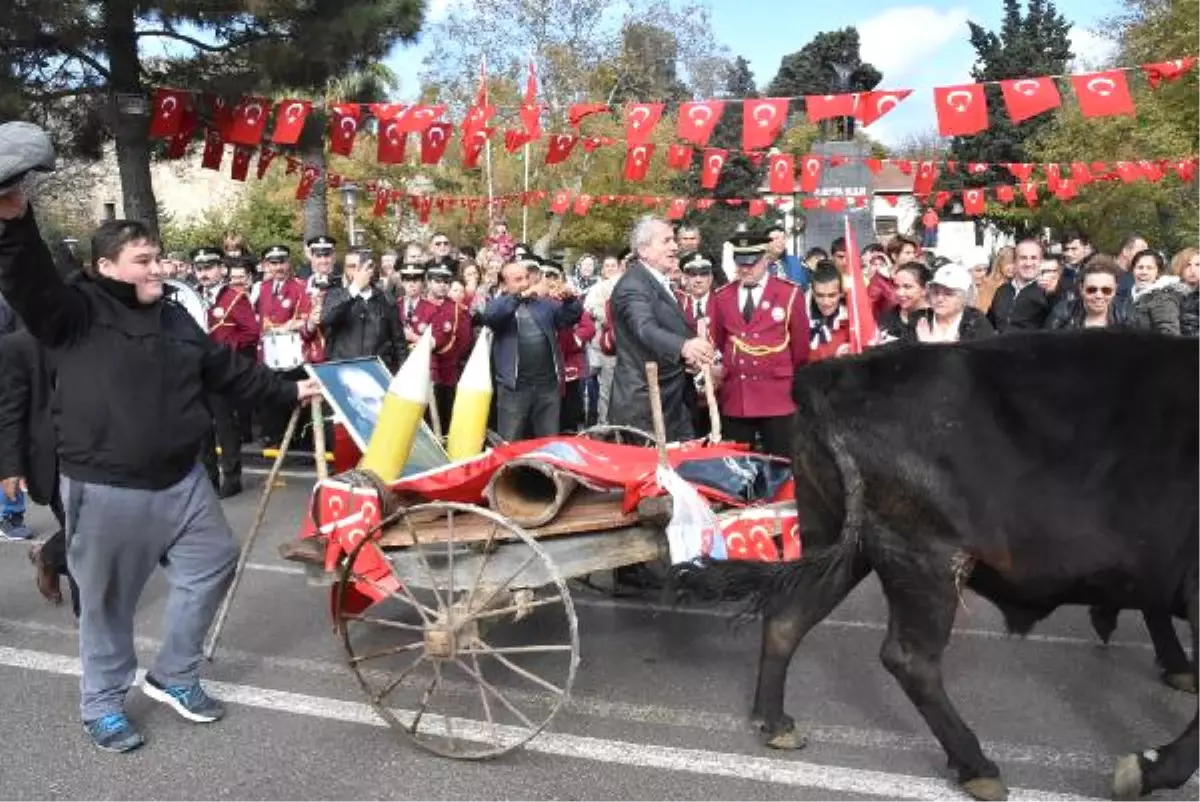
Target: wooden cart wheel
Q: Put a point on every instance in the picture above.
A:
(477, 650)
(622, 435)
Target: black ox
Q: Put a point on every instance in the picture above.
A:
(1038, 470)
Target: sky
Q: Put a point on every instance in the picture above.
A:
(915, 45)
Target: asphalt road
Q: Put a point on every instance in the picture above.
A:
(658, 710)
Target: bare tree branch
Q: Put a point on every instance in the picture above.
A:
(207, 48)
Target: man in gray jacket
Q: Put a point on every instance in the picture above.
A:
(649, 326)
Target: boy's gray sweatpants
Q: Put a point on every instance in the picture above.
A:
(115, 538)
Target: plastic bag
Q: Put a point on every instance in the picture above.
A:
(692, 531)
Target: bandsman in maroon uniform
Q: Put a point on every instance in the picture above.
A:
(450, 326)
(412, 285)
(285, 311)
(760, 329)
(231, 323)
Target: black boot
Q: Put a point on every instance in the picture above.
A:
(231, 486)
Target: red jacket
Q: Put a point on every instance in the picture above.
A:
(450, 326)
(881, 291)
(231, 320)
(573, 344)
(291, 304)
(760, 357)
(688, 304)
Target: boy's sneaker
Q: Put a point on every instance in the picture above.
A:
(12, 527)
(113, 733)
(189, 701)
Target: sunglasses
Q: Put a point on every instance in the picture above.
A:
(440, 243)
(1105, 291)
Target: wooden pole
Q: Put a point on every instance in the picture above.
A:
(210, 644)
(710, 392)
(318, 423)
(656, 413)
(434, 416)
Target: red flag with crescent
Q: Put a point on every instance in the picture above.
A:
(1167, 70)
(391, 143)
(308, 177)
(961, 110)
(241, 163)
(711, 165)
(418, 118)
(697, 120)
(640, 121)
(1103, 94)
(169, 108)
(214, 151)
(343, 127)
(434, 140)
(265, 157)
(810, 174)
(863, 330)
(289, 121)
(679, 157)
(782, 171)
(677, 209)
(762, 120)
(973, 202)
(249, 121)
(1029, 97)
(559, 147)
(637, 162)
(825, 107)
(878, 102)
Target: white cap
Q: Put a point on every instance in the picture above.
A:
(952, 276)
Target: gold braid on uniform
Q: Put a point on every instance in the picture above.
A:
(768, 350)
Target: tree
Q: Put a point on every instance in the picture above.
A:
(828, 65)
(923, 145)
(1028, 45)
(85, 60)
(1165, 213)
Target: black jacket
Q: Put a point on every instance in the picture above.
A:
(355, 327)
(1018, 311)
(649, 326)
(129, 403)
(1070, 313)
(27, 446)
(973, 325)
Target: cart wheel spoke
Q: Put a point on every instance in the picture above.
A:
(424, 561)
(426, 698)
(389, 652)
(519, 670)
(396, 682)
(514, 609)
(384, 622)
(487, 553)
(487, 686)
(483, 697)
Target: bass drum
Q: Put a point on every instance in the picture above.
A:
(189, 299)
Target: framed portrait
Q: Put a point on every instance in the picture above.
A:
(355, 389)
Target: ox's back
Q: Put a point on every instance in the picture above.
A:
(1058, 460)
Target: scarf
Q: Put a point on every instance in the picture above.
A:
(821, 328)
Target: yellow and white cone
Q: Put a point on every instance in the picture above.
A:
(401, 414)
(472, 402)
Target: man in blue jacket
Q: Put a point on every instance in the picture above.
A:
(525, 319)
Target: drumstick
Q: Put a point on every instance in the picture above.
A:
(656, 413)
(710, 392)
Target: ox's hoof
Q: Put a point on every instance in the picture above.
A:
(990, 789)
(1127, 779)
(790, 739)
(1183, 681)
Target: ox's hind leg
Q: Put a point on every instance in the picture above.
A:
(921, 608)
(1176, 667)
(783, 629)
(1168, 766)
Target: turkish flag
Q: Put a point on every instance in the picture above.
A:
(961, 110)
(640, 122)
(810, 174)
(637, 162)
(834, 204)
(697, 120)
(423, 207)
(265, 157)
(434, 140)
(878, 102)
(379, 209)
(824, 107)
(560, 202)
(1080, 173)
(712, 163)
(762, 120)
(1103, 94)
(333, 180)
(1167, 70)
(978, 168)
(757, 207)
(783, 173)
(583, 202)
(531, 122)
(473, 145)
(973, 202)
(578, 111)
(221, 114)
(677, 209)
(214, 151)
(241, 163)
(863, 329)
(875, 166)
(560, 147)
(1004, 193)
(177, 146)
(704, 203)
(249, 121)
(477, 119)
(169, 107)
(386, 112)
(941, 199)
(343, 126)
(307, 179)
(927, 173)
(289, 121)
(1185, 169)
(679, 157)
(418, 118)
(391, 143)
(1129, 172)
(1029, 97)
(1066, 190)
(1021, 171)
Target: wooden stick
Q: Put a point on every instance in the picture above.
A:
(434, 417)
(656, 413)
(318, 422)
(210, 644)
(710, 392)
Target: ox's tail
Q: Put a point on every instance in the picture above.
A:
(766, 588)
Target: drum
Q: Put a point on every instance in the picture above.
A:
(185, 296)
(282, 350)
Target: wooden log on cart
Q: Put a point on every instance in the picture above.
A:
(529, 492)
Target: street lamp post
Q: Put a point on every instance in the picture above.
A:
(350, 200)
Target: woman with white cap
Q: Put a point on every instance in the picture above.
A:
(948, 318)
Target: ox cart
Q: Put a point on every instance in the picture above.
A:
(457, 619)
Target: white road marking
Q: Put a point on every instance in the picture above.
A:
(694, 761)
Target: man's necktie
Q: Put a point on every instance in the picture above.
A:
(699, 309)
(748, 304)
(278, 287)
